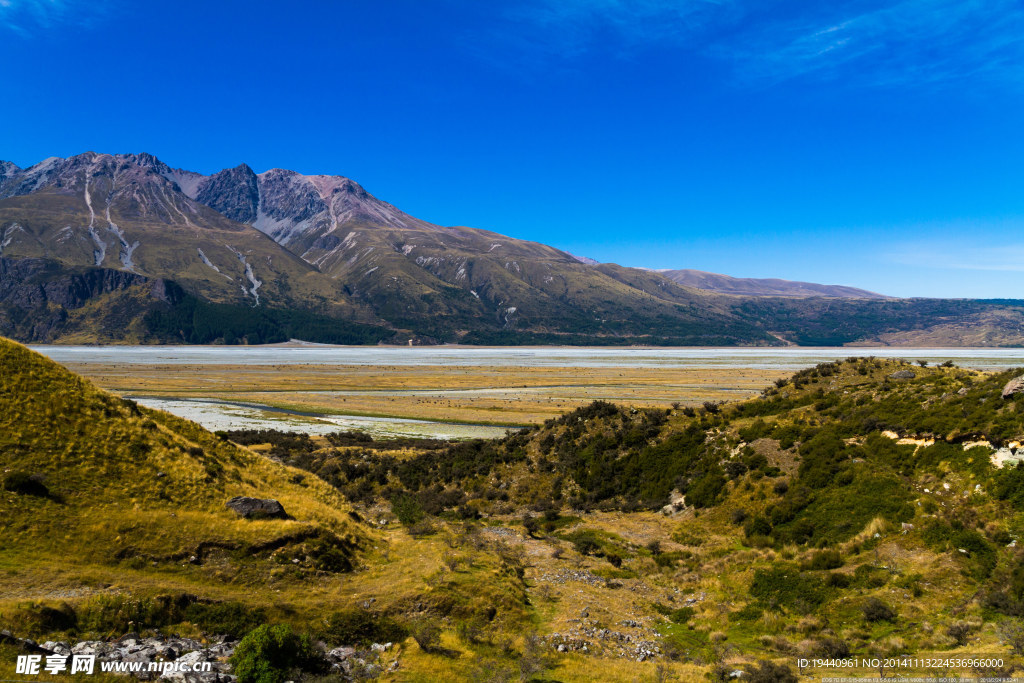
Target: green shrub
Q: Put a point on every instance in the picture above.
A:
(41, 619)
(361, 628)
(681, 615)
(120, 613)
(705, 491)
(585, 543)
(330, 554)
(224, 618)
(837, 580)
(868, 576)
(407, 509)
(770, 672)
(666, 560)
(427, 635)
(876, 610)
(750, 612)
(833, 648)
(980, 552)
(787, 435)
(758, 430)
(757, 525)
(786, 586)
(911, 582)
(822, 560)
(271, 654)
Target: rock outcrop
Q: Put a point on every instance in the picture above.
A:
(903, 374)
(257, 508)
(1014, 386)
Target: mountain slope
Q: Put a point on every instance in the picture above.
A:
(439, 279)
(339, 252)
(96, 488)
(762, 286)
(863, 508)
(112, 211)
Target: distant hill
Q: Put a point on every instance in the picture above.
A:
(745, 286)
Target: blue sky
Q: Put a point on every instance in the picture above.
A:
(875, 144)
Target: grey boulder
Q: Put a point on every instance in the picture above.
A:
(257, 508)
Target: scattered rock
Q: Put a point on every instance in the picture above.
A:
(563, 575)
(257, 508)
(903, 374)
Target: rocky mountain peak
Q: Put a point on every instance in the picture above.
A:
(27, 180)
(234, 192)
(7, 169)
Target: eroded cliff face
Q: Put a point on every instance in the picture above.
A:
(43, 301)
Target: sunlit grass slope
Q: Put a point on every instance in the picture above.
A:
(102, 495)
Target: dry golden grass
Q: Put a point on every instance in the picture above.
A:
(503, 395)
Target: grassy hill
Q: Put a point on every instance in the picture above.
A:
(102, 499)
(856, 509)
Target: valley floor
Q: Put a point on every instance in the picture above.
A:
(501, 396)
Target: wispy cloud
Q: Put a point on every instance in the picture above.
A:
(868, 42)
(1008, 258)
(908, 42)
(554, 34)
(30, 18)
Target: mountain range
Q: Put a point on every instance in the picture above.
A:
(124, 248)
(746, 286)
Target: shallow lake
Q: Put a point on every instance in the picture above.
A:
(224, 415)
